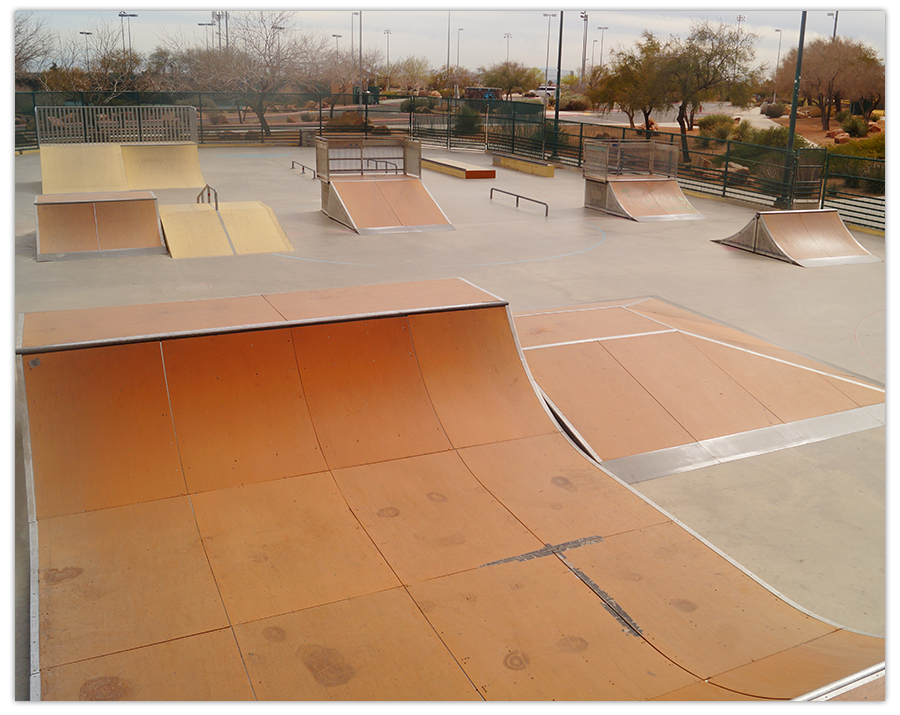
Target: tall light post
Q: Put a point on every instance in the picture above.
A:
(835, 16)
(207, 25)
(549, 16)
(361, 78)
(777, 62)
(337, 47)
(352, 30)
(388, 35)
(458, 30)
(506, 36)
(602, 30)
(87, 51)
(740, 19)
(126, 16)
(584, 17)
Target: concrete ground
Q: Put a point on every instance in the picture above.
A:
(808, 521)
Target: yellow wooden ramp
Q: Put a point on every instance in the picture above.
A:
(82, 168)
(345, 504)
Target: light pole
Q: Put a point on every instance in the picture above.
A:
(584, 17)
(602, 29)
(352, 15)
(206, 32)
(549, 16)
(506, 36)
(835, 16)
(777, 62)
(128, 16)
(87, 52)
(458, 30)
(337, 46)
(740, 19)
(388, 35)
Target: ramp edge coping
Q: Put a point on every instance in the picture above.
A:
(24, 350)
(851, 682)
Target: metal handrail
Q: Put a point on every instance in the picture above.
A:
(303, 168)
(208, 190)
(518, 196)
(386, 163)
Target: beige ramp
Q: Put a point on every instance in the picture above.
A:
(162, 166)
(804, 238)
(371, 506)
(253, 228)
(80, 168)
(194, 231)
(641, 198)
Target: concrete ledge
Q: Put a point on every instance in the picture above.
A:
(529, 166)
(458, 169)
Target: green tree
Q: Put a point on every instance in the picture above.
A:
(511, 76)
(835, 69)
(635, 81)
(712, 60)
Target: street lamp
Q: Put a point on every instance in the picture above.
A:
(835, 16)
(549, 16)
(123, 16)
(352, 15)
(87, 52)
(388, 35)
(740, 19)
(584, 16)
(458, 30)
(506, 36)
(602, 29)
(777, 62)
(206, 32)
(337, 47)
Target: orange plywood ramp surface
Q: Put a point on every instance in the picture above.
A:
(383, 205)
(648, 376)
(362, 506)
(805, 238)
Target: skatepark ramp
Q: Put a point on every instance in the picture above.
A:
(808, 238)
(636, 180)
(357, 494)
(226, 229)
(88, 168)
(97, 224)
(373, 185)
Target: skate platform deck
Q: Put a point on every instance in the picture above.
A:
(97, 224)
(382, 204)
(810, 238)
(653, 389)
(398, 484)
(639, 197)
(459, 169)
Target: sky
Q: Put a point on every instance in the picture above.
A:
(473, 37)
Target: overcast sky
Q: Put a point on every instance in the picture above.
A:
(477, 37)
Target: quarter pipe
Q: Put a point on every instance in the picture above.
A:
(639, 197)
(329, 495)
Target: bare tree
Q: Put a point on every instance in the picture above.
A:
(34, 43)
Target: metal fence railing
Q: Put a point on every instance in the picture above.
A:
(762, 175)
(66, 125)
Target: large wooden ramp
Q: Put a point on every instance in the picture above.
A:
(358, 495)
(809, 238)
(386, 204)
(640, 198)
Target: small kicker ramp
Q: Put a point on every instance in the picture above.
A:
(640, 198)
(385, 204)
(123, 223)
(236, 228)
(84, 168)
(809, 238)
(357, 494)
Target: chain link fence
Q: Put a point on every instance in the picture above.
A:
(762, 175)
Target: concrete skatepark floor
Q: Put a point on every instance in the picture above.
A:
(821, 546)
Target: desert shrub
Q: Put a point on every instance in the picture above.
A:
(743, 132)
(574, 103)
(416, 104)
(708, 122)
(855, 126)
(842, 116)
(467, 120)
(218, 118)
